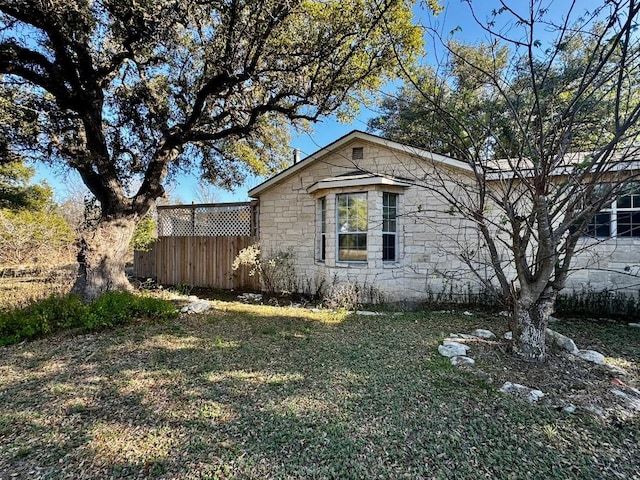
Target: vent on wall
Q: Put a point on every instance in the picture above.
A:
(357, 153)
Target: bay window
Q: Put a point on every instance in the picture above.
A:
(352, 225)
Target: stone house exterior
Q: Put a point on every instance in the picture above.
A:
(357, 211)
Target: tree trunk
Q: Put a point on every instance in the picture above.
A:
(530, 325)
(102, 258)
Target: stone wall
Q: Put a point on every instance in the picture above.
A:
(430, 237)
(427, 231)
(611, 264)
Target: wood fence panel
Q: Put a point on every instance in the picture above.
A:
(196, 261)
(144, 263)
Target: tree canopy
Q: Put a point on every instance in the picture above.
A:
(126, 90)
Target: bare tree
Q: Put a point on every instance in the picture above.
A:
(551, 137)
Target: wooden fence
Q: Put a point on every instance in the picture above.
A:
(196, 261)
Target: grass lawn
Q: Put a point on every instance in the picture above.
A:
(265, 392)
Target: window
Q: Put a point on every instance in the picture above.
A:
(389, 226)
(323, 229)
(627, 209)
(621, 219)
(352, 225)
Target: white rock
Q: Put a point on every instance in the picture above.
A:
(461, 360)
(367, 313)
(486, 334)
(199, 306)
(635, 325)
(597, 411)
(504, 313)
(590, 356)
(452, 349)
(560, 341)
(632, 400)
(508, 336)
(468, 314)
(616, 370)
(531, 395)
(250, 297)
(571, 408)
(461, 335)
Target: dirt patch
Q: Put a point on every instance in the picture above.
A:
(565, 378)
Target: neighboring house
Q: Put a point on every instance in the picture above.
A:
(353, 212)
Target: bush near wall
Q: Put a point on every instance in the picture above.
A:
(599, 304)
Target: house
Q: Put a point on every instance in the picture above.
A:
(361, 211)
(357, 211)
(352, 212)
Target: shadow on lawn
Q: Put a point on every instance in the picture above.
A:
(249, 395)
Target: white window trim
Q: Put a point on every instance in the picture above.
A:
(338, 233)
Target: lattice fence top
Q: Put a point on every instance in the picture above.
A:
(213, 220)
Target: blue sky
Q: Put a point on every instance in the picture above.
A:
(456, 15)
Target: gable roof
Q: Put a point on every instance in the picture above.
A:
(349, 137)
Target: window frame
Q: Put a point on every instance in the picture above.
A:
(390, 220)
(614, 212)
(354, 233)
(322, 247)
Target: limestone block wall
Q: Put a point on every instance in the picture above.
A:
(429, 236)
(612, 264)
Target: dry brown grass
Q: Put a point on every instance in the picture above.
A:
(22, 286)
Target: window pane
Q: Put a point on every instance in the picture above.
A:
(352, 247)
(389, 212)
(624, 202)
(388, 246)
(600, 225)
(352, 212)
(628, 224)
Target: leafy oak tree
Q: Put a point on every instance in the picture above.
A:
(126, 92)
(551, 137)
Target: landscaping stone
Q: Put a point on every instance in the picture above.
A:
(531, 395)
(571, 408)
(631, 397)
(468, 314)
(590, 356)
(616, 370)
(452, 349)
(597, 411)
(459, 360)
(250, 297)
(199, 306)
(464, 336)
(486, 334)
(635, 325)
(367, 313)
(560, 341)
(508, 336)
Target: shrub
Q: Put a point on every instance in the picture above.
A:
(144, 234)
(351, 295)
(599, 304)
(57, 313)
(33, 236)
(41, 318)
(277, 272)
